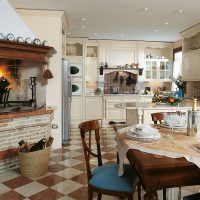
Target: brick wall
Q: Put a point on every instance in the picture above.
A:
(31, 129)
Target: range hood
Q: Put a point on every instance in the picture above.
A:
(25, 51)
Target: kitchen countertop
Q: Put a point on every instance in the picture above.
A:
(144, 105)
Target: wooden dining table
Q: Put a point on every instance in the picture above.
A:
(158, 172)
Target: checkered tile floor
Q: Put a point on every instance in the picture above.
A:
(66, 178)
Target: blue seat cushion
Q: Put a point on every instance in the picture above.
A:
(106, 177)
(192, 197)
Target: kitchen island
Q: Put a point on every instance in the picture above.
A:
(140, 112)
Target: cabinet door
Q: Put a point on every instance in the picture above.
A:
(187, 64)
(191, 69)
(91, 69)
(93, 108)
(196, 65)
(76, 109)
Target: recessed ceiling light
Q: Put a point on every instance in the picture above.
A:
(83, 19)
(180, 11)
(166, 23)
(146, 9)
(122, 35)
(68, 33)
(156, 30)
(82, 26)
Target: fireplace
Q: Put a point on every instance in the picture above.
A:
(21, 74)
(22, 97)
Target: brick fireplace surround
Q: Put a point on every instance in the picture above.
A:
(30, 125)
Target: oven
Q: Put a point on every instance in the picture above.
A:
(77, 86)
(76, 70)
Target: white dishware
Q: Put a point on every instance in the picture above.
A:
(144, 132)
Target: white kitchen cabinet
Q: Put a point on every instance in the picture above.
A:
(91, 69)
(93, 107)
(191, 54)
(113, 113)
(191, 69)
(158, 69)
(76, 110)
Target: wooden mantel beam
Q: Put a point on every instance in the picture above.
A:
(25, 51)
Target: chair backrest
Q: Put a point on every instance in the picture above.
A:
(157, 117)
(88, 131)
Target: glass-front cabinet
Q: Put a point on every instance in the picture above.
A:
(158, 69)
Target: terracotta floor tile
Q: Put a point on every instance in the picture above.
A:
(58, 158)
(81, 178)
(108, 156)
(17, 182)
(51, 180)
(82, 192)
(60, 151)
(48, 194)
(80, 166)
(80, 157)
(56, 168)
(11, 195)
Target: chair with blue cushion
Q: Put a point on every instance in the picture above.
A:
(104, 179)
(192, 197)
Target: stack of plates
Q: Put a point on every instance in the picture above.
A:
(144, 132)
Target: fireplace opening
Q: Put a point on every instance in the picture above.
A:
(19, 81)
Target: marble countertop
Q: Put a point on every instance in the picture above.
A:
(144, 105)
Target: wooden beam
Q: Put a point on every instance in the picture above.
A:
(25, 51)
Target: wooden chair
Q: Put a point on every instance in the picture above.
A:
(192, 197)
(104, 179)
(159, 117)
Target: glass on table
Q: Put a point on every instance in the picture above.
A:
(172, 120)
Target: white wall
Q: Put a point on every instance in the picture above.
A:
(11, 23)
(47, 25)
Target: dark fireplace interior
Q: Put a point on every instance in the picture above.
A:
(22, 85)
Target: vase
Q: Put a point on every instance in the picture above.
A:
(180, 92)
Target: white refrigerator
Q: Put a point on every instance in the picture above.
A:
(66, 101)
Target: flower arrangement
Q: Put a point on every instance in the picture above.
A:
(179, 82)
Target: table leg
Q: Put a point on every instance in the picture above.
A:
(151, 195)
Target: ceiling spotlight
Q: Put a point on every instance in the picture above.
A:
(146, 9)
(122, 35)
(166, 23)
(82, 26)
(68, 33)
(180, 11)
(156, 30)
(83, 19)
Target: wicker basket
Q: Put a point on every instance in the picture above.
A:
(34, 164)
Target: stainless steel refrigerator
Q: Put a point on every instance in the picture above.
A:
(66, 101)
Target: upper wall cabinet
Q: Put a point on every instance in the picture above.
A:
(191, 54)
(74, 52)
(158, 64)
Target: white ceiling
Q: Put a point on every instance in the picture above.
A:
(112, 18)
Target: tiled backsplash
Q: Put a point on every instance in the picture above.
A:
(120, 82)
